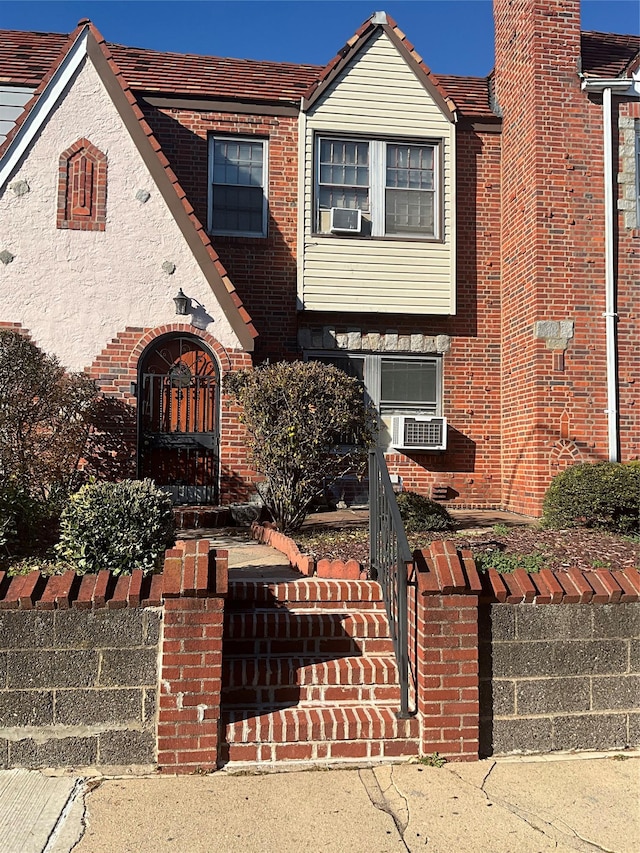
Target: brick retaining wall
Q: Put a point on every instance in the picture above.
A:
(106, 671)
(556, 655)
(83, 660)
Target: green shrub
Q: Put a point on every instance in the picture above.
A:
(116, 526)
(601, 494)
(421, 513)
(28, 524)
(297, 416)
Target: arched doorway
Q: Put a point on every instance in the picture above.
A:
(178, 385)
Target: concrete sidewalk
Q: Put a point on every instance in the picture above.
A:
(523, 805)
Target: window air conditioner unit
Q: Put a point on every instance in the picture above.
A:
(419, 432)
(345, 220)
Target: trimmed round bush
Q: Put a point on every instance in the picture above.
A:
(421, 513)
(116, 526)
(601, 494)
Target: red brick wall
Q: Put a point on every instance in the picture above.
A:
(628, 273)
(552, 251)
(262, 269)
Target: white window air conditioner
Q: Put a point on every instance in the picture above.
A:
(419, 432)
(345, 220)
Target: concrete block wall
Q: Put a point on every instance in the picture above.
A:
(78, 687)
(559, 678)
(523, 663)
(112, 672)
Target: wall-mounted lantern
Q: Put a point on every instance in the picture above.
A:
(182, 303)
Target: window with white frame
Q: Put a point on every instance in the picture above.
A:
(393, 184)
(237, 186)
(395, 384)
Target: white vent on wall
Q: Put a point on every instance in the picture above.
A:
(346, 220)
(419, 432)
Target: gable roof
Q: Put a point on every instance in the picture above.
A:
(380, 21)
(86, 40)
(609, 54)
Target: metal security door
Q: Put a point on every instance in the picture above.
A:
(179, 419)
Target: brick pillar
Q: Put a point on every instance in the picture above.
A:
(446, 627)
(195, 581)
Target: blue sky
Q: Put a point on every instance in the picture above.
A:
(453, 36)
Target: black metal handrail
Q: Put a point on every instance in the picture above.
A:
(391, 564)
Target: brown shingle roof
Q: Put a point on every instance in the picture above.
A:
(470, 94)
(26, 56)
(608, 54)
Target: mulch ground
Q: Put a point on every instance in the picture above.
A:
(562, 549)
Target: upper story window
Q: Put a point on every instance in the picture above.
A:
(394, 186)
(237, 186)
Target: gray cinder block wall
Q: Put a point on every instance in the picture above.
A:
(559, 677)
(78, 687)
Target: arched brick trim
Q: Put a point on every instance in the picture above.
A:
(115, 371)
(563, 454)
(82, 188)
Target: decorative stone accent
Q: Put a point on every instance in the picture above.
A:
(356, 340)
(556, 333)
(6, 257)
(143, 196)
(20, 187)
(168, 267)
(627, 178)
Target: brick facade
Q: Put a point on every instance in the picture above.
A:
(524, 364)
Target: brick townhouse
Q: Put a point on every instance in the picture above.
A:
(468, 246)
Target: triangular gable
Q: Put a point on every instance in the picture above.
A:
(380, 21)
(86, 41)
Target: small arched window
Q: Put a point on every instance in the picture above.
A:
(82, 188)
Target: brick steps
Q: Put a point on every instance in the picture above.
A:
(321, 733)
(309, 675)
(265, 623)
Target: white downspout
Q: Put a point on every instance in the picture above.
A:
(610, 302)
(630, 87)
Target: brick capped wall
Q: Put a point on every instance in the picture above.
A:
(107, 671)
(78, 679)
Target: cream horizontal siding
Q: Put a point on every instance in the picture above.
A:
(378, 95)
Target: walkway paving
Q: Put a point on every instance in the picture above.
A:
(572, 803)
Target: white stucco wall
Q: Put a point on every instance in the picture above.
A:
(77, 290)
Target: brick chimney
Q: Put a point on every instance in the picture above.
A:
(552, 265)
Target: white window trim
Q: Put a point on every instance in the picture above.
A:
(213, 137)
(373, 373)
(378, 186)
